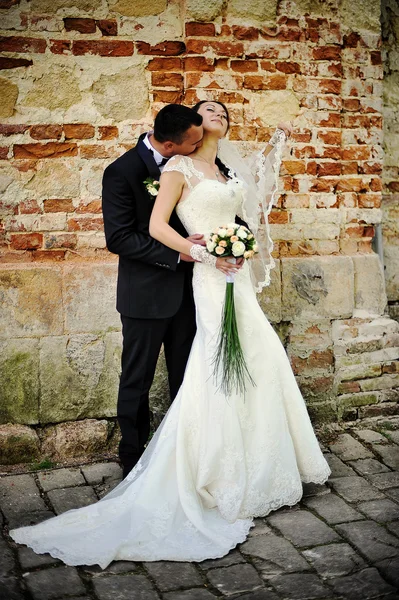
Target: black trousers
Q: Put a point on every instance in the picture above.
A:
(142, 341)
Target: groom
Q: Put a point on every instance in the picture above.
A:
(154, 289)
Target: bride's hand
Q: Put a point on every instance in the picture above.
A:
(228, 268)
(286, 127)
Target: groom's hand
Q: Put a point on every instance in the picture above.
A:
(197, 238)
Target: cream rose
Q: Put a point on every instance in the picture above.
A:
(219, 250)
(230, 232)
(152, 190)
(223, 243)
(255, 247)
(242, 233)
(238, 249)
(222, 232)
(234, 238)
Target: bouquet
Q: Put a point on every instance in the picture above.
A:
(235, 241)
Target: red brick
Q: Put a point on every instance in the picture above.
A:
(168, 97)
(351, 104)
(376, 184)
(288, 67)
(356, 153)
(330, 120)
(85, 224)
(79, 131)
(245, 33)
(392, 367)
(29, 207)
(46, 132)
(271, 82)
(324, 169)
(355, 121)
(108, 132)
(22, 44)
(323, 185)
(14, 63)
(8, 3)
(351, 40)
(347, 387)
(376, 122)
(241, 133)
(48, 255)
(97, 151)
(6, 129)
(200, 29)
(3, 152)
(327, 53)
(61, 240)
(55, 205)
(393, 186)
(350, 168)
(244, 66)
(60, 46)
(376, 58)
(294, 167)
(167, 79)
(311, 168)
(284, 20)
(296, 201)
(312, 35)
(369, 200)
(267, 65)
(107, 26)
(278, 217)
(163, 49)
(81, 25)
(220, 48)
(92, 207)
(332, 138)
(353, 184)
(168, 64)
(330, 86)
(102, 47)
(330, 152)
(26, 241)
(371, 168)
(335, 69)
(284, 34)
(50, 150)
(323, 359)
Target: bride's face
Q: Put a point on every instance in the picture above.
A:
(214, 118)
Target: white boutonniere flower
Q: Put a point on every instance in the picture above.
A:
(152, 186)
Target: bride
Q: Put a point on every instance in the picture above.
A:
(215, 462)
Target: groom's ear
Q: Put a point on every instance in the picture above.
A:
(168, 146)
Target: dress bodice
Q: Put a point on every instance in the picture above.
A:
(209, 203)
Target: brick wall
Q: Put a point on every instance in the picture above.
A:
(81, 79)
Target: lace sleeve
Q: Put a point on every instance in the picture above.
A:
(185, 166)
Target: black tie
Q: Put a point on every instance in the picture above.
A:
(163, 162)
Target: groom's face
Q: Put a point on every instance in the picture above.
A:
(191, 141)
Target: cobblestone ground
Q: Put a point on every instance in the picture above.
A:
(341, 541)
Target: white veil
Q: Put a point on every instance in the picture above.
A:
(260, 176)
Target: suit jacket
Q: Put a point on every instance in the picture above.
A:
(151, 282)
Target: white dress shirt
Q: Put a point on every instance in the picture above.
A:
(157, 156)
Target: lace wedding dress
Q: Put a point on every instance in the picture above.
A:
(215, 462)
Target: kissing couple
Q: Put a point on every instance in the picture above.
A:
(219, 459)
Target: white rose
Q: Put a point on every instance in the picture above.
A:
(210, 246)
(222, 232)
(238, 249)
(255, 247)
(242, 233)
(232, 226)
(152, 190)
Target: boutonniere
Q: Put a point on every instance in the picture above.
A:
(152, 186)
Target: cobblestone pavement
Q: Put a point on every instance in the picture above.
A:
(341, 541)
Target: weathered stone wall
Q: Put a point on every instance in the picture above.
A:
(80, 80)
(390, 204)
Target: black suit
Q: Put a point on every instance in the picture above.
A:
(154, 295)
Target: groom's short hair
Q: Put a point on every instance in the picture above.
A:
(173, 121)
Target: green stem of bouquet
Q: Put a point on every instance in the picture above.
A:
(229, 362)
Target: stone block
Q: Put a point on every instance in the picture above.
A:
(56, 180)
(317, 287)
(368, 466)
(19, 374)
(389, 455)
(204, 10)
(370, 539)
(334, 560)
(201, 594)
(270, 297)
(271, 107)
(69, 498)
(364, 14)
(60, 478)
(30, 560)
(355, 489)
(79, 377)
(57, 87)
(7, 561)
(8, 97)
(254, 10)
(10, 588)
(301, 586)
(277, 551)
(391, 260)
(370, 293)
(235, 579)
(86, 438)
(384, 481)
(18, 444)
(121, 586)
(370, 437)
(232, 558)
(347, 448)
(122, 95)
(363, 585)
(52, 583)
(19, 496)
(101, 473)
(380, 510)
(302, 528)
(172, 576)
(338, 468)
(89, 297)
(333, 509)
(31, 301)
(71, 8)
(140, 8)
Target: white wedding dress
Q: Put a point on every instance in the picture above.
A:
(215, 462)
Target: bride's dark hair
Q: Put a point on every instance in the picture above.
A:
(222, 166)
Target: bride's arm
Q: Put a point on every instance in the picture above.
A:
(169, 194)
(287, 128)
